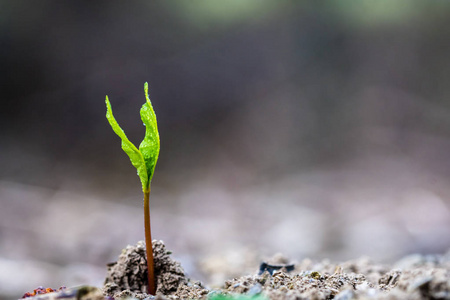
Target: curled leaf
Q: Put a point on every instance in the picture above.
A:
(133, 153)
(149, 146)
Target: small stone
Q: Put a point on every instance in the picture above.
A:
(255, 290)
(420, 283)
(345, 295)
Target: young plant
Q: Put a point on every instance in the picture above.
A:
(144, 160)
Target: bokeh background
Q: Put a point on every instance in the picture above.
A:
(316, 129)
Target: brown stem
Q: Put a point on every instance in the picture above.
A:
(149, 247)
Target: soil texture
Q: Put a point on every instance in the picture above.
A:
(413, 277)
(128, 276)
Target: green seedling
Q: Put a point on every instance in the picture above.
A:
(144, 160)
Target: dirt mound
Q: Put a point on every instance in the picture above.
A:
(128, 276)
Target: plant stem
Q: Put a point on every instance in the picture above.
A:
(149, 247)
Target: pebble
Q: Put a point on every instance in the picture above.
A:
(345, 295)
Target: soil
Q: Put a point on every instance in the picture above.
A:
(413, 277)
(128, 276)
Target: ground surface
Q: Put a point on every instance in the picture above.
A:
(221, 228)
(413, 277)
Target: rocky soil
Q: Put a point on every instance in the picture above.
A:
(413, 277)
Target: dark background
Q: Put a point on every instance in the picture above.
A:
(317, 129)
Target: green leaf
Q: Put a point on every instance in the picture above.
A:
(150, 146)
(136, 157)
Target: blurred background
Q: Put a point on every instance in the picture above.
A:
(316, 129)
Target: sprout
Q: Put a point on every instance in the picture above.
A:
(144, 160)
